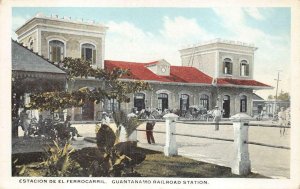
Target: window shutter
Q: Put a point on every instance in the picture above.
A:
(94, 56)
(50, 53)
(58, 54)
(54, 54)
(247, 70)
(229, 68)
(82, 53)
(62, 53)
(241, 69)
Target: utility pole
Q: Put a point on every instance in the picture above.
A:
(277, 82)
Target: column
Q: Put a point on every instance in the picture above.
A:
(170, 146)
(241, 164)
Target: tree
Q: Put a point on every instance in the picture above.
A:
(113, 87)
(283, 96)
(270, 97)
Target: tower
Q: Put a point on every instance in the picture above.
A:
(55, 38)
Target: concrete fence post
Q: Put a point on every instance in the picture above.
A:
(171, 146)
(241, 164)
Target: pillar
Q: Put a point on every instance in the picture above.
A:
(241, 164)
(170, 146)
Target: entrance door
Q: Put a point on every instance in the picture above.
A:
(226, 106)
(88, 111)
(184, 102)
(139, 101)
(163, 102)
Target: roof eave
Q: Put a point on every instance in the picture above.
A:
(246, 86)
(169, 83)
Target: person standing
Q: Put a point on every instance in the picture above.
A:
(25, 121)
(105, 119)
(149, 129)
(282, 120)
(217, 117)
(41, 126)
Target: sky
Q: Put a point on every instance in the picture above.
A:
(149, 34)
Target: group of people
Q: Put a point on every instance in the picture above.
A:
(46, 127)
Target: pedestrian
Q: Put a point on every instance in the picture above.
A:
(41, 126)
(105, 119)
(25, 121)
(217, 117)
(149, 129)
(282, 120)
(288, 116)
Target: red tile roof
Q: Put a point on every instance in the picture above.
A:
(240, 82)
(182, 74)
(189, 75)
(137, 70)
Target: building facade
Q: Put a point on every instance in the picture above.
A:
(214, 73)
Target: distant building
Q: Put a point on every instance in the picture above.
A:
(267, 107)
(218, 72)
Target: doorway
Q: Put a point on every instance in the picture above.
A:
(226, 106)
(88, 111)
(184, 102)
(163, 102)
(139, 101)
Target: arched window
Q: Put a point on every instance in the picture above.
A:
(243, 103)
(162, 101)
(244, 68)
(56, 51)
(88, 52)
(204, 101)
(227, 66)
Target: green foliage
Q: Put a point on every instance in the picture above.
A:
(105, 138)
(283, 96)
(111, 159)
(59, 162)
(270, 97)
(114, 88)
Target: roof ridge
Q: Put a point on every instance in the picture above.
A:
(125, 61)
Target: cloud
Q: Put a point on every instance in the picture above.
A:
(183, 30)
(273, 51)
(254, 13)
(125, 41)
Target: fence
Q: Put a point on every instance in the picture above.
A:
(241, 164)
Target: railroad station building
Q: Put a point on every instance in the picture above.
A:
(218, 72)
